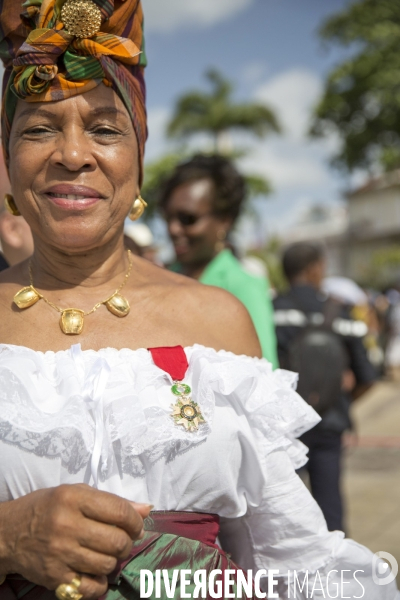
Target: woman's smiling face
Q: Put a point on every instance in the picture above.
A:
(193, 226)
(74, 168)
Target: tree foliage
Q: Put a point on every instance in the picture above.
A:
(361, 100)
(215, 113)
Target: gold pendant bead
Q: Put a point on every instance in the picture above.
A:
(118, 305)
(81, 18)
(26, 297)
(71, 321)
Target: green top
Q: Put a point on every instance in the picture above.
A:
(226, 272)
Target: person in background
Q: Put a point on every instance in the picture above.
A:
(16, 242)
(305, 313)
(201, 202)
(15, 238)
(361, 306)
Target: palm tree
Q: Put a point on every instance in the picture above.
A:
(214, 113)
(217, 114)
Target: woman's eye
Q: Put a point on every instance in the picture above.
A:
(105, 131)
(37, 130)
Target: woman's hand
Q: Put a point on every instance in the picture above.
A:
(51, 535)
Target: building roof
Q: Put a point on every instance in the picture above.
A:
(385, 181)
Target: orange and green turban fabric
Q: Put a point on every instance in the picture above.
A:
(55, 49)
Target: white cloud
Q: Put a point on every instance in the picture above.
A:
(292, 94)
(297, 166)
(292, 160)
(288, 165)
(168, 15)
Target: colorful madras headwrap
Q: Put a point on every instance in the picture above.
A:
(47, 60)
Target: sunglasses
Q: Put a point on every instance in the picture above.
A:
(186, 219)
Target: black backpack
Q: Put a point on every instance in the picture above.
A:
(319, 356)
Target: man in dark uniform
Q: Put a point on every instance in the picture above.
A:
(304, 304)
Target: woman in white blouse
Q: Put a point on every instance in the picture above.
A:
(88, 442)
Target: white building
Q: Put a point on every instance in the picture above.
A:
(374, 223)
(326, 225)
(355, 236)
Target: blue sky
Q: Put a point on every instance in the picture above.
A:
(271, 51)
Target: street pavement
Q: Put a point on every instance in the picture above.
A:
(371, 482)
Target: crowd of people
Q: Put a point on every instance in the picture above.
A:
(157, 425)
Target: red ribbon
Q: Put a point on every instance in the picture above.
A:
(172, 360)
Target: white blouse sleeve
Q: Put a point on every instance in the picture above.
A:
(287, 532)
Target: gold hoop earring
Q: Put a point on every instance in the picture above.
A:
(138, 208)
(10, 205)
(220, 245)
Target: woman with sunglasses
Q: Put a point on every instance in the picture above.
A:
(121, 384)
(201, 202)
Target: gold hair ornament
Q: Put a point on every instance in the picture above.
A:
(72, 319)
(81, 18)
(10, 205)
(138, 208)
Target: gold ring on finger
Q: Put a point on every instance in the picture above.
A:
(77, 581)
(69, 591)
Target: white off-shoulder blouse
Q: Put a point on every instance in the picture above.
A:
(104, 418)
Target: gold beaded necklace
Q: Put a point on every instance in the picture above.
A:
(72, 319)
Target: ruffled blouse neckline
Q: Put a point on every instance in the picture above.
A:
(110, 350)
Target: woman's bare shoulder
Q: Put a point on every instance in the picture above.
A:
(229, 320)
(150, 273)
(212, 315)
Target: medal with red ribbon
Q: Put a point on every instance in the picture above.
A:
(173, 360)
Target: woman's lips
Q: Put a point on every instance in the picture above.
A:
(70, 197)
(181, 248)
(72, 202)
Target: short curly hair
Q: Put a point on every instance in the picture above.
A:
(297, 257)
(229, 184)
